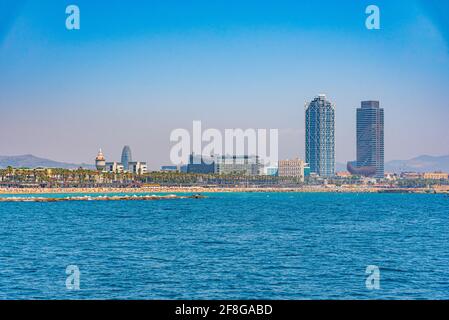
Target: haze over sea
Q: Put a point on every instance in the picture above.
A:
(228, 246)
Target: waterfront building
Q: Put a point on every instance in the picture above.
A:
(100, 161)
(436, 176)
(307, 170)
(343, 174)
(271, 171)
(114, 167)
(370, 141)
(137, 167)
(169, 169)
(241, 165)
(126, 157)
(291, 168)
(320, 136)
(411, 175)
(200, 164)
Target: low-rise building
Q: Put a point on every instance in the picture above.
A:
(114, 167)
(436, 176)
(201, 164)
(271, 171)
(138, 167)
(343, 174)
(411, 175)
(169, 169)
(242, 165)
(291, 168)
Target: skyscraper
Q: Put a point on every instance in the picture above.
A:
(370, 141)
(126, 157)
(320, 136)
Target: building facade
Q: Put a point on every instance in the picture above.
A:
(320, 136)
(137, 167)
(435, 176)
(169, 169)
(114, 167)
(272, 171)
(242, 165)
(126, 157)
(201, 164)
(291, 168)
(370, 141)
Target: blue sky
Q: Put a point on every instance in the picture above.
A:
(137, 70)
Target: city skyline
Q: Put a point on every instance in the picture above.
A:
(157, 67)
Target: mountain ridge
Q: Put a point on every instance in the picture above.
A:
(31, 161)
(422, 163)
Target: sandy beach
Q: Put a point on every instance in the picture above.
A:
(199, 190)
(194, 190)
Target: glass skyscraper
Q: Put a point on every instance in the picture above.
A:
(320, 136)
(370, 139)
(126, 157)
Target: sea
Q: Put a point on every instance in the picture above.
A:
(228, 246)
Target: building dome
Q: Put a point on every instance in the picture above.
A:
(100, 156)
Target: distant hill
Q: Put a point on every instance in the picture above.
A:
(30, 161)
(419, 164)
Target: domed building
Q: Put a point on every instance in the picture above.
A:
(100, 161)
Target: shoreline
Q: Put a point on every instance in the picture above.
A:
(100, 198)
(198, 190)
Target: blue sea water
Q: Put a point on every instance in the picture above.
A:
(228, 246)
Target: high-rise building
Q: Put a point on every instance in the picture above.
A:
(320, 136)
(126, 157)
(370, 141)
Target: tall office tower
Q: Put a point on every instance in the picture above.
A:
(126, 157)
(370, 140)
(320, 136)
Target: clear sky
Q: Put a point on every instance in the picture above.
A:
(136, 70)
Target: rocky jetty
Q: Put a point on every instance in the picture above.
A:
(101, 198)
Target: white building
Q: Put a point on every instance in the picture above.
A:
(138, 167)
(114, 167)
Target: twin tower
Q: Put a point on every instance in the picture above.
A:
(320, 139)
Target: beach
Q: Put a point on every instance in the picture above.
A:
(202, 189)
